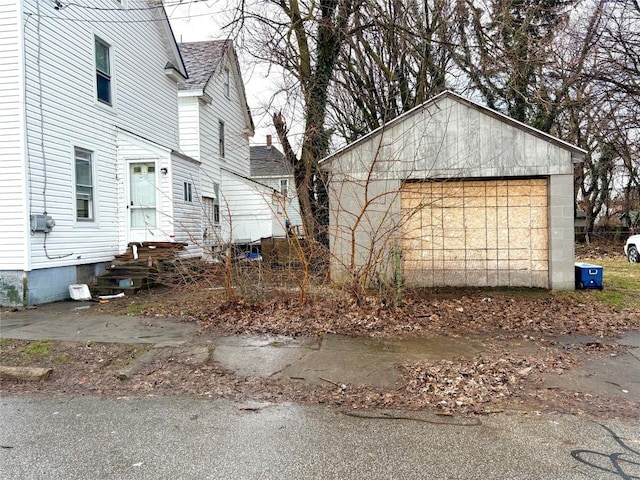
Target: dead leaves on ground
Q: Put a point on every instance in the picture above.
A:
(471, 384)
(457, 312)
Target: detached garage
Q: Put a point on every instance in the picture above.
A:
(454, 194)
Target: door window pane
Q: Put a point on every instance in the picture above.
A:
(143, 217)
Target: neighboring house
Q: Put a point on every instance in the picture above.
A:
(269, 167)
(466, 195)
(90, 158)
(257, 211)
(215, 126)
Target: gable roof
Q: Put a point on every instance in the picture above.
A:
(576, 152)
(268, 161)
(202, 60)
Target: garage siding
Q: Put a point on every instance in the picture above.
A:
(476, 233)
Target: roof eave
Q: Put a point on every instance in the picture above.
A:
(173, 73)
(178, 62)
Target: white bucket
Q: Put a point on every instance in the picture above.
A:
(79, 292)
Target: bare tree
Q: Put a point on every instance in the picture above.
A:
(397, 57)
(305, 39)
(601, 112)
(510, 52)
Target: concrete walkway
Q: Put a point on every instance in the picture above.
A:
(330, 358)
(75, 322)
(334, 358)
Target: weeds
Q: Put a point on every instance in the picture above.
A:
(40, 348)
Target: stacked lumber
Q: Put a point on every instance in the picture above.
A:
(137, 268)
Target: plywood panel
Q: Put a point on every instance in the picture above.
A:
(480, 232)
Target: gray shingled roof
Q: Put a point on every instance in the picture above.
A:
(201, 60)
(268, 162)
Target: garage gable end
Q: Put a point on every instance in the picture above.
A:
(453, 137)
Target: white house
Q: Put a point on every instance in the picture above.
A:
(215, 126)
(270, 167)
(90, 141)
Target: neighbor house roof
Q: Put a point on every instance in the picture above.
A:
(202, 60)
(268, 161)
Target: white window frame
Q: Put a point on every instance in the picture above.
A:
(111, 74)
(227, 82)
(92, 204)
(216, 204)
(221, 139)
(284, 187)
(187, 192)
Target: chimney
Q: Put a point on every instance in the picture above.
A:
(268, 141)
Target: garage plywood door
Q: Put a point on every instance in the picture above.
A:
(478, 233)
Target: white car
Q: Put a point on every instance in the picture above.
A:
(631, 248)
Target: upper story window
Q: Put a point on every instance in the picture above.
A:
(84, 184)
(221, 139)
(227, 83)
(104, 88)
(284, 187)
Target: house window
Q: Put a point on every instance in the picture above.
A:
(84, 184)
(216, 204)
(103, 72)
(212, 208)
(227, 83)
(208, 205)
(188, 192)
(221, 138)
(284, 187)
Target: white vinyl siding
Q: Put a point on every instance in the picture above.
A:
(189, 126)
(254, 212)
(187, 214)
(232, 111)
(293, 206)
(62, 111)
(14, 213)
(199, 137)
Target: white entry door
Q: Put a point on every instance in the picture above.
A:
(143, 215)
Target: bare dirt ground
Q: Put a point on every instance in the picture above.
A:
(524, 333)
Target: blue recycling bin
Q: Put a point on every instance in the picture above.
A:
(588, 276)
